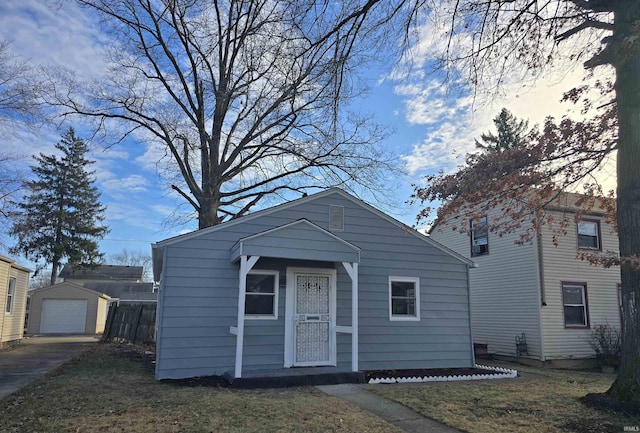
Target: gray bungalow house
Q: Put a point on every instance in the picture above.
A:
(325, 282)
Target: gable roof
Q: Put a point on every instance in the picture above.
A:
(101, 272)
(158, 246)
(279, 242)
(73, 285)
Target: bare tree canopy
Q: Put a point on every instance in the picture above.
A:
(246, 98)
(488, 40)
(133, 258)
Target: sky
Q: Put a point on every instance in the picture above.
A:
(433, 128)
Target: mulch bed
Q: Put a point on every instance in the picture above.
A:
(390, 374)
(606, 403)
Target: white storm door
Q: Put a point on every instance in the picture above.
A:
(314, 326)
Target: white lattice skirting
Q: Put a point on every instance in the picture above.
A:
(499, 373)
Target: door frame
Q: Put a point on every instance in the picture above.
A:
(289, 322)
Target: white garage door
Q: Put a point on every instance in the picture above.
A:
(63, 316)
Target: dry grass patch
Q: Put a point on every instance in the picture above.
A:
(547, 401)
(103, 392)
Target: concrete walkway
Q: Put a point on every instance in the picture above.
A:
(390, 411)
(36, 356)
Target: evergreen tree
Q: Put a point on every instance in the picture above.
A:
(60, 217)
(511, 132)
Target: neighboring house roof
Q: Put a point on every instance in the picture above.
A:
(139, 297)
(102, 272)
(116, 289)
(74, 285)
(13, 264)
(158, 247)
(563, 202)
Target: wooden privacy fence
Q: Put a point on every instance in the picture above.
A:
(132, 323)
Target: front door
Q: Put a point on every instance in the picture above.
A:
(313, 318)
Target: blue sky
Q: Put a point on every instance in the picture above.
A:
(433, 129)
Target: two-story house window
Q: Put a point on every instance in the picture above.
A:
(479, 237)
(574, 301)
(589, 235)
(11, 294)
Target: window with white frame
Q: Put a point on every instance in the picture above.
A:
(261, 299)
(479, 237)
(589, 235)
(11, 294)
(574, 303)
(404, 298)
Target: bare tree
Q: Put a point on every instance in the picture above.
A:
(19, 91)
(132, 258)
(19, 105)
(490, 39)
(245, 97)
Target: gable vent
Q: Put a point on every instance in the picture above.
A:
(336, 217)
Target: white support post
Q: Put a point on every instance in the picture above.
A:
(246, 263)
(352, 270)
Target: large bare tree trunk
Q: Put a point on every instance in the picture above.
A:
(627, 386)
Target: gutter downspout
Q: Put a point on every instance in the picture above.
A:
(542, 300)
(473, 353)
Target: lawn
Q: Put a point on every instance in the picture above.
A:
(539, 401)
(104, 390)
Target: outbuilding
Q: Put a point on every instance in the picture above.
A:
(67, 308)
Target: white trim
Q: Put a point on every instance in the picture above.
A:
(246, 263)
(403, 318)
(352, 270)
(289, 331)
(309, 198)
(276, 290)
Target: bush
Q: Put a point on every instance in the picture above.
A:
(606, 343)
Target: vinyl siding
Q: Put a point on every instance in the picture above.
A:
(505, 295)
(200, 289)
(560, 264)
(13, 323)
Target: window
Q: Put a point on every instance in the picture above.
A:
(261, 301)
(404, 298)
(589, 235)
(11, 294)
(479, 237)
(574, 302)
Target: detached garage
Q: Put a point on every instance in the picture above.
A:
(67, 308)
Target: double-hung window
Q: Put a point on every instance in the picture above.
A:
(575, 306)
(261, 298)
(589, 235)
(404, 298)
(11, 295)
(479, 237)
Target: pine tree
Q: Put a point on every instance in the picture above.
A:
(60, 217)
(511, 132)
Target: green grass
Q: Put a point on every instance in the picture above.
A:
(543, 401)
(103, 392)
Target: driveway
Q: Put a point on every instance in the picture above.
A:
(36, 356)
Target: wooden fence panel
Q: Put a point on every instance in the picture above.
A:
(131, 322)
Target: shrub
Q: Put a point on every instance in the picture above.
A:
(606, 343)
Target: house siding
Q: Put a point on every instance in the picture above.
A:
(200, 292)
(560, 265)
(505, 296)
(13, 323)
